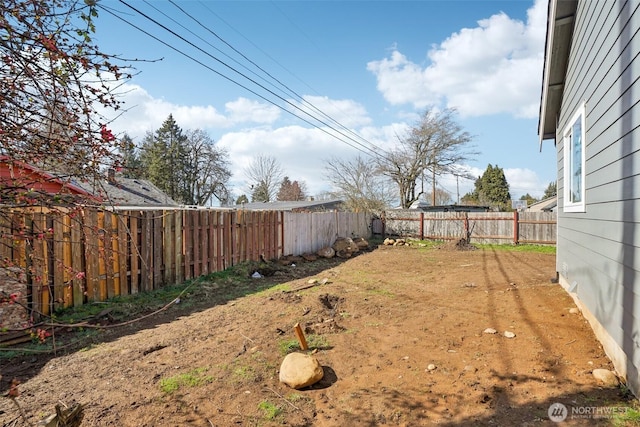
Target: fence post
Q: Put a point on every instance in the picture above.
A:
(516, 228)
(467, 235)
(421, 225)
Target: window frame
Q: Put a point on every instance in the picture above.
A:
(568, 137)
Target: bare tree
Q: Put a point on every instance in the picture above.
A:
(359, 184)
(264, 174)
(436, 145)
(208, 172)
(443, 197)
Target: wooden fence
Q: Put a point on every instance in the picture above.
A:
(74, 257)
(308, 232)
(480, 227)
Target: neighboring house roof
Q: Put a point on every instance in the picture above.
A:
(114, 189)
(117, 190)
(546, 205)
(452, 208)
(561, 15)
(303, 205)
(25, 177)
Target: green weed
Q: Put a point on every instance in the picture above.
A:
(271, 411)
(193, 378)
(313, 341)
(540, 249)
(630, 417)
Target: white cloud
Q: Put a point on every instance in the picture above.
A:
(345, 111)
(522, 181)
(145, 113)
(245, 110)
(300, 151)
(495, 67)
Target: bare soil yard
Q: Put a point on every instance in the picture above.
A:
(398, 331)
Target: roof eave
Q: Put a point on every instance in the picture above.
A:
(560, 23)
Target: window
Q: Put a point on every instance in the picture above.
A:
(574, 159)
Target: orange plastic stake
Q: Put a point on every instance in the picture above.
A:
(300, 336)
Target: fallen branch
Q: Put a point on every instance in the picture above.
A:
(284, 398)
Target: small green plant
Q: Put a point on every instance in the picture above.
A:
(192, 378)
(244, 372)
(382, 292)
(271, 411)
(630, 417)
(295, 397)
(540, 249)
(313, 341)
(288, 346)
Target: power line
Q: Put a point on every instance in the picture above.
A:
(371, 151)
(290, 91)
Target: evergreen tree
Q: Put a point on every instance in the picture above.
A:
(551, 190)
(291, 191)
(131, 163)
(260, 192)
(242, 199)
(164, 158)
(529, 198)
(492, 188)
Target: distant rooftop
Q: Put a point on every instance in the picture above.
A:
(315, 205)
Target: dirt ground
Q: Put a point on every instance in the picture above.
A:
(399, 332)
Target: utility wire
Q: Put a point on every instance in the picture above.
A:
(205, 41)
(288, 89)
(371, 151)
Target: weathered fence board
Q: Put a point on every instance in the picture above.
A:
(308, 232)
(480, 227)
(82, 255)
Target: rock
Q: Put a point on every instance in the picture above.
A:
(360, 242)
(431, 367)
(309, 257)
(344, 247)
(490, 331)
(300, 370)
(607, 377)
(509, 334)
(326, 252)
(388, 242)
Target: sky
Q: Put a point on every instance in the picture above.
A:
(305, 81)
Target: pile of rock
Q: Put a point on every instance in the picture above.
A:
(394, 242)
(344, 247)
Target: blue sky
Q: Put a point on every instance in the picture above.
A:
(373, 66)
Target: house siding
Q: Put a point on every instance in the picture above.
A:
(598, 254)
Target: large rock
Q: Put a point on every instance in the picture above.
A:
(607, 377)
(344, 247)
(327, 252)
(300, 370)
(361, 242)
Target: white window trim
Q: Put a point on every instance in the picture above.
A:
(568, 205)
